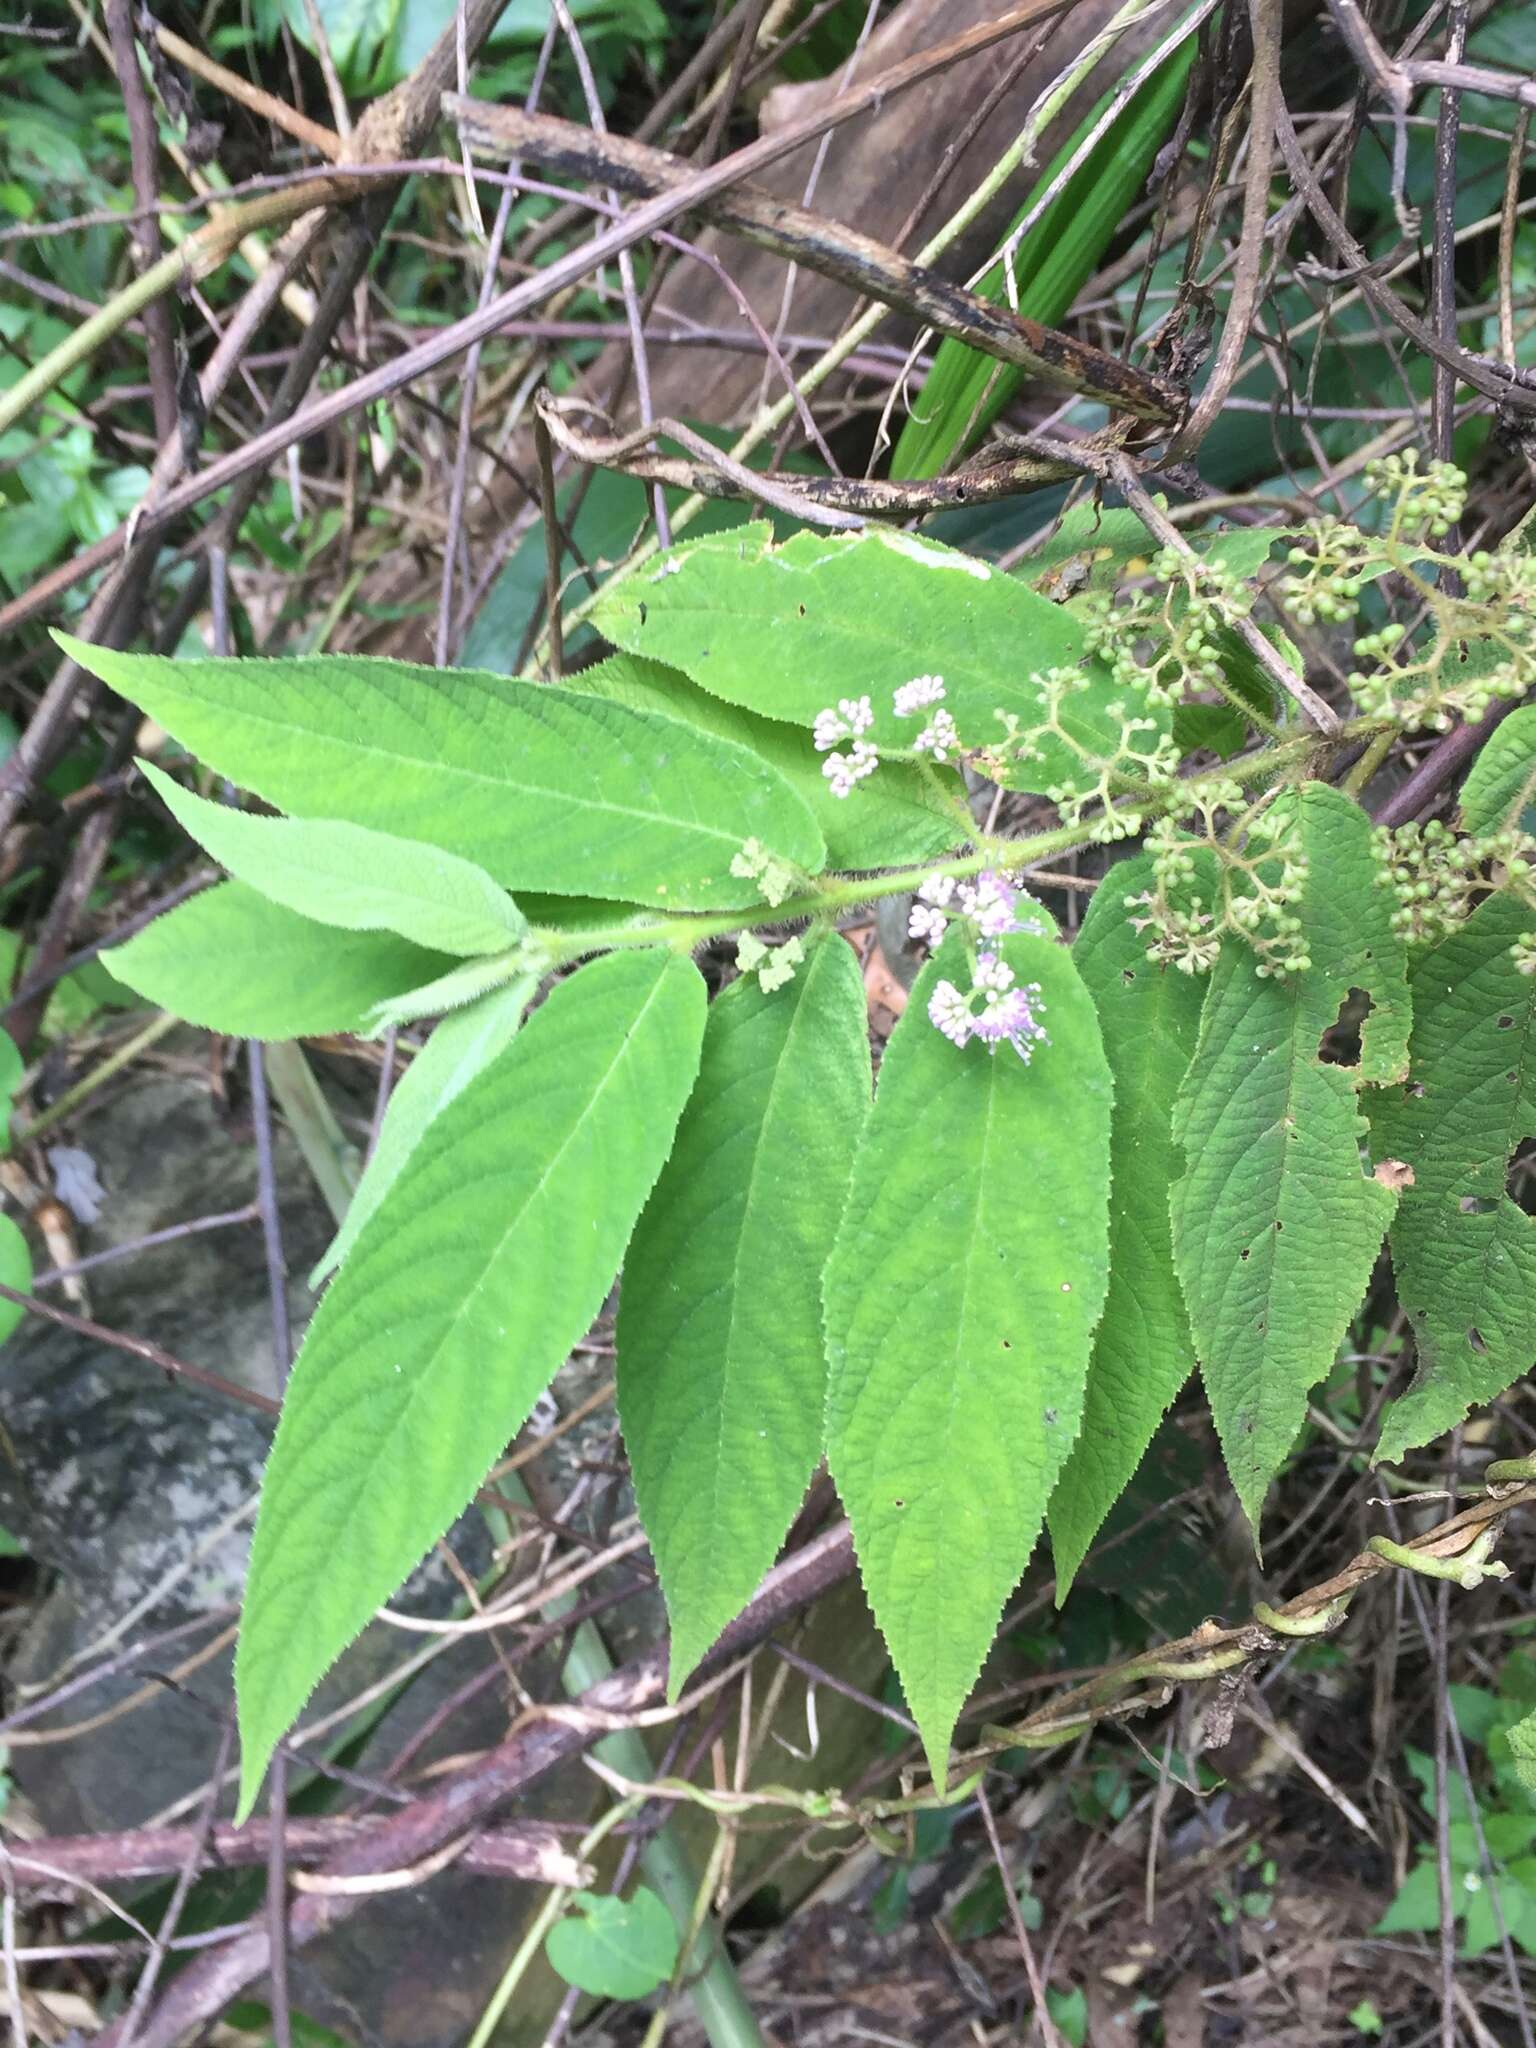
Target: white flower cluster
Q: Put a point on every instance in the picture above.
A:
(989, 905)
(939, 736)
(851, 718)
(1009, 1014)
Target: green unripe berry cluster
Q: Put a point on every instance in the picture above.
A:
(1424, 502)
(1257, 886)
(1437, 874)
(1167, 642)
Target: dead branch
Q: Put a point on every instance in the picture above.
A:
(56, 1866)
(819, 500)
(799, 236)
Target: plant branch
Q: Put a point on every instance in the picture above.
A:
(250, 95)
(541, 1739)
(1498, 381)
(834, 897)
(159, 320)
(1264, 102)
(838, 501)
(800, 236)
(1122, 473)
(1458, 1550)
(54, 1866)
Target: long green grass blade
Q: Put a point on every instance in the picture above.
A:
(965, 391)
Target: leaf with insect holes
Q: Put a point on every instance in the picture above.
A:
(232, 961)
(1276, 1221)
(789, 631)
(348, 875)
(722, 1376)
(1149, 1015)
(1463, 1250)
(961, 1299)
(545, 788)
(467, 1287)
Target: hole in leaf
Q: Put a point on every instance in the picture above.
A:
(1278, 1224)
(1050, 1418)
(1506, 1023)
(642, 609)
(1245, 1253)
(1127, 975)
(1007, 1346)
(898, 1503)
(1475, 1339)
(1414, 1090)
(801, 610)
(1476, 1205)
(1339, 1045)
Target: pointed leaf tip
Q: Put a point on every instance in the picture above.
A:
(961, 1299)
(403, 1396)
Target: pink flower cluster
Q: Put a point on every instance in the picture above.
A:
(989, 905)
(1009, 1013)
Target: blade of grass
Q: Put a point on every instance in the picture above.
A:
(964, 392)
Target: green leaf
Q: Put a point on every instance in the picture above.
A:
(900, 814)
(463, 1044)
(355, 30)
(463, 1294)
(1522, 1749)
(788, 631)
(234, 962)
(1150, 1019)
(614, 1948)
(15, 1271)
(1276, 1223)
(1069, 2014)
(1416, 1909)
(545, 788)
(1502, 780)
(1464, 1253)
(12, 1068)
(347, 875)
(722, 1378)
(961, 1299)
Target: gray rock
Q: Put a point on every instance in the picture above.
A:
(136, 1492)
(126, 1484)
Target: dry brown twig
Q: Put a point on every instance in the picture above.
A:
(819, 500)
(824, 245)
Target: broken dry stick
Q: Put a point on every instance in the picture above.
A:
(823, 245)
